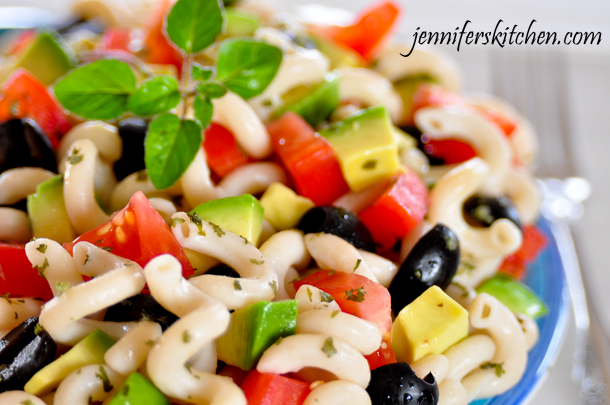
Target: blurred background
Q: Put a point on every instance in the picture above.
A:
(586, 81)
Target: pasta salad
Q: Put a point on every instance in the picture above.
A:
(214, 203)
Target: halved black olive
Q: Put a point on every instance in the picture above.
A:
(138, 307)
(132, 131)
(23, 352)
(223, 270)
(482, 211)
(397, 384)
(433, 261)
(340, 222)
(22, 143)
(421, 145)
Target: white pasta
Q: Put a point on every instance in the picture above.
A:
(19, 398)
(14, 225)
(519, 185)
(310, 298)
(452, 392)
(258, 281)
(296, 352)
(383, 269)
(196, 183)
(92, 382)
(332, 252)
(285, 250)
(530, 329)
(491, 316)
(421, 61)
(63, 316)
(14, 311)
(370, 89)
(79, 187)
(437, 364)
(362, 335)
(357, 201)
(133, 183)
(469, 354)
(338, 393)
(105, 137)
(130, 351)
(253, 178)
(54, 262)
(16, 184)
(164, 207)
(202, 320)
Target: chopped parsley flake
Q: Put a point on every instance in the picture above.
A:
(27, 402)
(326, 297)
(42, 248)
(369, 164)
(355, 295)
(142, 175)
(467, 265)
(6, 297)
(497, 366)
(245, 239)
(461, 287)
(329, 348)
(357, 265)
(62, 286)
(42, 268)
(273, 286)
(218, 230)
(254, 261)
(74, 157)
(150, 342)
(332, 272)
(16, 315)
(334, 313)
(186, 336)
(237, 285)
(188, 367)
(196, 219)
(108, 248)
(176, 221)
(38, 329)
(105, 380)
(279, 340)
(86, 259)
(125, 390)
(309, 294)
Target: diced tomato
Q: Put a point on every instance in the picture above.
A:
(516, 264)
(363, 298)
(222, 150)
(116, 38)
(450, 150)
(273, 389)
(17, 277)
(24, 96)
(308, 158)
(138, 233)
(159, 49)
(397, 211)
(235, 373)
(369, 30)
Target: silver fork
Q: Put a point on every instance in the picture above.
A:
(535, 83)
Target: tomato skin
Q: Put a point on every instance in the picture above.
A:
(308, 158)
(116, 38)
(273, 389)
(24, 96)
(397, 211)
(450, 150)
(534, 241)
(375, 308)
(159, 49)
(222, 150)
(17, 277)
(370, 29)
(138, 233)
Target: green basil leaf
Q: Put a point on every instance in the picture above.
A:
(212, 89)
(99, 90)
(194, 24)
(170, 146)
(247, 66)
(201, 73)
(155, 96)
(203, 111)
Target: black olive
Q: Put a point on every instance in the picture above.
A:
(223, 270)
(23, 352)
(421, 145)
(132, 131)
(397, 384)
(432, 261)
(22, 143)
(340, 222)
(482, 211)
(138, 307)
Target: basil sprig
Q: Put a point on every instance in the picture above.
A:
(108, 89)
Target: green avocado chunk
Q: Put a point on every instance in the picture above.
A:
(253, 329)
(314, 104)
(137, 390)
(516, 296)
(90, 350)
(47, 212)
(241, 215)
(46, 58)
(365, 147)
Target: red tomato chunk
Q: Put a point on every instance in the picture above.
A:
(273, 389)
(17, 277)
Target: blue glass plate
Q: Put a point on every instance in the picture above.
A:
(547, 278)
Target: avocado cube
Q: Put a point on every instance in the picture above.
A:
(365, 147)
(429, 325)
(253, 329)
(241, 215)
(241, 23)
(46, 58)
(516, 296)
(283, 207)
(90, 350)
(137, 390)
(47, 212)
(314, 104)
